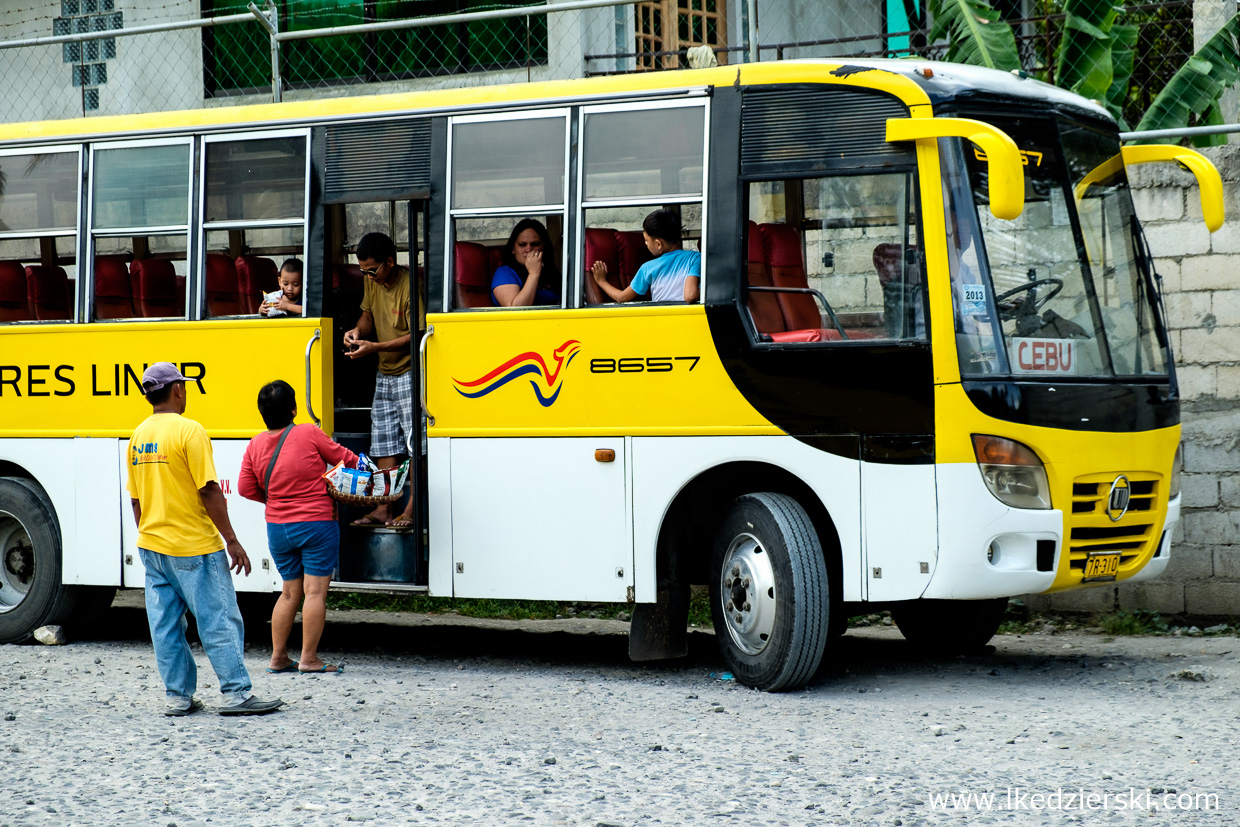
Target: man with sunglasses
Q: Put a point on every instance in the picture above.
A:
(385, 316)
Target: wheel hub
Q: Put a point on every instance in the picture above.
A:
(16, 563)
(19, 562)
(747, 592)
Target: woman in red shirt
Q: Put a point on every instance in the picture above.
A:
(302, 531)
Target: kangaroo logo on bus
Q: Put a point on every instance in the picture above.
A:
(521, 365)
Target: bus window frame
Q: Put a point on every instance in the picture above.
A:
(453, 213)
(203, 226)
(76, 230)
(913, 197)
(189, 141)
(654, 201)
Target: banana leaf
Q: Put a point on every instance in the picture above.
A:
(975, 32)
(1085, 53)
(1123, 51)
(1196, 88)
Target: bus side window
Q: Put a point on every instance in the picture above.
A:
(834, 259)
(38, 253)
(637, 158)
(254, 214)
(139, 229)
(508, 209)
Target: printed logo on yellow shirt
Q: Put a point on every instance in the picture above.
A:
(147, 453)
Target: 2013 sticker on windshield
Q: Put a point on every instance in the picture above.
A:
(973, 300)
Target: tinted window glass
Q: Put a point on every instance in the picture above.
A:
(508, 163)
(142, 187)
(39, 191)
(256, 179)
(643, 153)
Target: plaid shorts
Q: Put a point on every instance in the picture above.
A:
(391, 415)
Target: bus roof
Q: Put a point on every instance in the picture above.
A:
(903, 78)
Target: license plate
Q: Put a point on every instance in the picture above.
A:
(1102, 566)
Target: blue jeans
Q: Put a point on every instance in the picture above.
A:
(203, 585)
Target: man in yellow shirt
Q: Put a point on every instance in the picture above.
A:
(385, 315)
(181, 515)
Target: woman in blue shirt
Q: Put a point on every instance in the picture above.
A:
(528, 275)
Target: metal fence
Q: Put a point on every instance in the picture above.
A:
(75, 58)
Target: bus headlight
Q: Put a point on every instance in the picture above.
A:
(1177, 466)
(1012, 472)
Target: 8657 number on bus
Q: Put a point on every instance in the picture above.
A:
(636, 364)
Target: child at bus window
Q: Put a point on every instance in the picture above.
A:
(674, 274)
(287, 300)
(528, 275)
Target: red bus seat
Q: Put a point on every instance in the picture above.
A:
(632, 254)
(256, 275)
(113, 289)
(601, 246)
(763, 306)
(14, 306)
(48, 292)
(221, 283)
(347, 277)
(155, 289)
(472, 275)
(785, 262)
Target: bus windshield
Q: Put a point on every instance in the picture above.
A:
(1062, 291)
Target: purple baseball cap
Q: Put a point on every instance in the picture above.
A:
(160, 375)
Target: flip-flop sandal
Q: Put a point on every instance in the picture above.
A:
(327, 667)
(292, 667)
(362, 522)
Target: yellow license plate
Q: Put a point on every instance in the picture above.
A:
(1101, 566)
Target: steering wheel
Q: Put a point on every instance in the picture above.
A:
(1038, 301)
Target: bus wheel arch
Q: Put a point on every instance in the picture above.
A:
(31, 592)
(686, 540)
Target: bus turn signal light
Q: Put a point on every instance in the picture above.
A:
(1012, 472)
(605, 455)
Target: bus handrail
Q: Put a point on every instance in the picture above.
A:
(1003, 160)
(310, 377)
(825, 304)
(430, 420)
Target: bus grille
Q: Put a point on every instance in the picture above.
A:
(1133, 536)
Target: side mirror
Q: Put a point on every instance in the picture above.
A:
(1003, 160)
(1208, 180)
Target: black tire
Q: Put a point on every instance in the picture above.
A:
(950, 627)
(769, 594)
(31, 594)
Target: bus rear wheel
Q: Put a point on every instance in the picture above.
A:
(769, 593)
(950, 627)
(31, 594)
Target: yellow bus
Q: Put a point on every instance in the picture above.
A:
(929, 369)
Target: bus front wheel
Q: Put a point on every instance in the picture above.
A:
(950, 627)
(769, 593)
(31, 594)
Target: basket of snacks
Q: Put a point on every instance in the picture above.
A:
(367, 484)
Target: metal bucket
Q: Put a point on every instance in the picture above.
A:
(380, 555)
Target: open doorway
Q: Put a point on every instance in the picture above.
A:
(376, 554)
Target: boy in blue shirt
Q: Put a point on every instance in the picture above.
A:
(674, 274)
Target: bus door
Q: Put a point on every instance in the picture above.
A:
(375, 553)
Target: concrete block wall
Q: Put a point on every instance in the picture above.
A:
(1201, 275)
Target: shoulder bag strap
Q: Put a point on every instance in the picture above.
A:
(271, 466)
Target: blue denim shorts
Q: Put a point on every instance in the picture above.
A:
(311, 546)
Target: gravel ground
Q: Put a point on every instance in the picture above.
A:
(443, 720)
